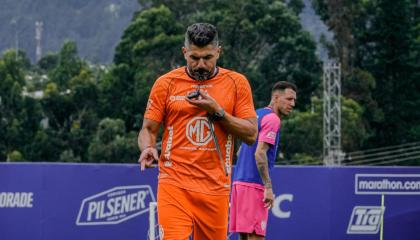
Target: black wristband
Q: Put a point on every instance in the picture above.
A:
(217, 116)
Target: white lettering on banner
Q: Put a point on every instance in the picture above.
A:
(365, 220)
(118, 205)
(115, 205)
(276, 210)
(389, 184)
(16, 199)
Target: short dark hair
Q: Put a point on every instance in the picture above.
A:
(201, 34)
(282, 85)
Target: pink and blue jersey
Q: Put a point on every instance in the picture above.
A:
(269, 132)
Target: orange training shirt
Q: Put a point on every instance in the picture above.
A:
(189, 158)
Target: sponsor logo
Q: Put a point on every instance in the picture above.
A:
(16, 199)
(387, 184)
(169, 142)
(365, 220)
(115, 205)
(228, 145)
(198, 131)
(277, 206)
(202, 86)
(176, 98)
(271, 135)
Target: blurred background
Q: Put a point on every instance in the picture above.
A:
(75, 75)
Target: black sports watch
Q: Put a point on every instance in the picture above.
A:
(217, 116)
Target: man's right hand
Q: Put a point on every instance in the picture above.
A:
(268, 197)
(147, 156)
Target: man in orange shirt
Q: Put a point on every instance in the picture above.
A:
(201, 107)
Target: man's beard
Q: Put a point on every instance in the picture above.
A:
(201, 74)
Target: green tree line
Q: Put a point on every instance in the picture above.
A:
(64, 108)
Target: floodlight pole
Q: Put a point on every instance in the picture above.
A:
(332, 113)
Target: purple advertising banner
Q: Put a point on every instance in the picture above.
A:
(40, 201)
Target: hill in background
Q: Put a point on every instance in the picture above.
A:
(96, 26)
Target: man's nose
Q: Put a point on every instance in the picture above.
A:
(201, 63)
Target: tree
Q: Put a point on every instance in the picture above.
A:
(18, 114)
(69, 65)
(377, 41)
(395, 64)
(302, 141)
(262, 39)
(149, 47)
(111, 144)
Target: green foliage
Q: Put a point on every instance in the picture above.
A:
(69, 65)
(111, 144)
(377, 42)
(48, 62)
(15, 156)
(262, 39)
(396, 55)
(296, 6)
(91, 113)
(68, 156)
(150, 46)
(18, 114)
(303, 131)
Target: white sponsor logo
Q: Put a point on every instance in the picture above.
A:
(177, 98)
(115, 205)
(202, 86)
(198, 131)
(169, 142)
(365, 220)
(387, 184)
(277, 210)
(271, 135)
(229, 145)
(16, 199)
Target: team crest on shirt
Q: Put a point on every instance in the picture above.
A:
(271, 135)
(198, 131)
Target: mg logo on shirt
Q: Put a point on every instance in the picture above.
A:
(198, 131)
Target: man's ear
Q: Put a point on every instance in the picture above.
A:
(184, 51)
(275, 96)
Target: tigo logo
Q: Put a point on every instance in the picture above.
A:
(115, 205)
(365, 220)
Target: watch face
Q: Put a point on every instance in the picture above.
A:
(219, 115)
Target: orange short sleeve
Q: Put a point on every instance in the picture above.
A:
(155, 109)
(244, 107)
